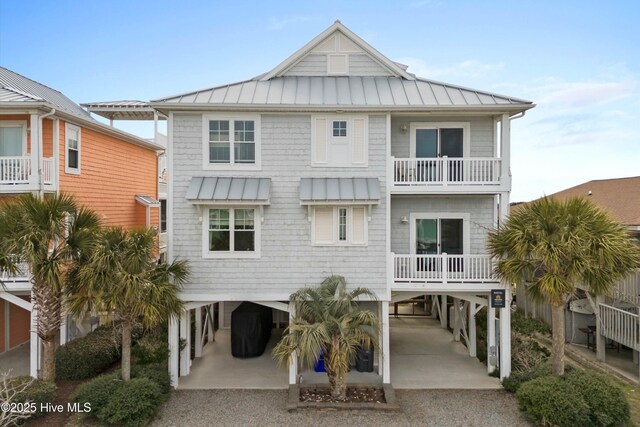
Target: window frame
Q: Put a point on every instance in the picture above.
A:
(15, 124)
(68, 169)
(232, 253)
(163, 217)
(466, 227)
(339, 140)
(336, 226)
(466, 134)
(232, 165)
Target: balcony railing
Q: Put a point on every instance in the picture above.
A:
(619, 325)
(443, 268)
(446, 171)
(18, 170)
(22, 275)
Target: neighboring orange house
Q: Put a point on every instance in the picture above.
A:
(49, 144)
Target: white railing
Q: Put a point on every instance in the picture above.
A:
(443, 268)
(619, 325)
(22, 275)
(18, 170)
(446, 171)
(628, 289)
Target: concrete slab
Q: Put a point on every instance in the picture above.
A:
(218, 369)
(620, 361)
(424, 356)
(16, 360)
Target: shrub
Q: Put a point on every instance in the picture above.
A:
(97, 392)
(527, 325)
(607, 401)
(552, 400)
(513, 382)
(526, 353)
(152, 348)
(158, 373)
(38, 392)
(133, 403)
(90, 355)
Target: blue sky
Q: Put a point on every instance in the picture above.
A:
(579, 61)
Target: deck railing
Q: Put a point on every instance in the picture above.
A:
(18, 170)
(619, 325)
(628, 289)
(443, 268)
(446, 171)
(22, 275)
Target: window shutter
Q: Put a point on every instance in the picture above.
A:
(359, 152)
(320, 153)
(323, 225)
(358, 226)
(337, 64)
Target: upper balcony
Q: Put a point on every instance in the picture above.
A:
(19, 281)
(18, 174)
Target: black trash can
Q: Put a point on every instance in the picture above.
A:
(364, 360)
(250, 329)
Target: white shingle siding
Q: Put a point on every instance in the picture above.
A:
(481, 131)
(480, 209)
(288, 260)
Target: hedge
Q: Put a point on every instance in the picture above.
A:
(152, 348)
(38, 392)
(90, 355)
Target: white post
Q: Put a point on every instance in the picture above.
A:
(63, 329)
(34, 344)
(434, 306)
(210, 336)
(445, 170)
(386, 354)
(221, 315)
(174, 346)
(293, 362)
(505, 148)
(55, 173)
(505, 336)
(36, 153)
(491, 339)
(198, 332)
(185, 335)
(443, 311)
(472, 329)
(456, 319)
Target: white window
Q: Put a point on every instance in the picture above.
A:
(231, 142)
(339, 226)
(339, 141)
(72, 149)
(13, 138)
(231, 233)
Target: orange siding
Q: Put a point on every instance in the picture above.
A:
(47, 132)
(112, 173)
(19, 320)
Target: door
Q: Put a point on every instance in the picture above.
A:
(435, 236)
(431, 143)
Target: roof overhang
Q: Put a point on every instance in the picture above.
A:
(147, 201)
(343, 191)
(229, 191)
(123, 110)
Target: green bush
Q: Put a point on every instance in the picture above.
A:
(552, 400)
(132, 404)
(607, 401)
(38, 392)
(152, 348)
(527, 325)
(158, 373)
(513, 382)
(97, 392)
(90, 355)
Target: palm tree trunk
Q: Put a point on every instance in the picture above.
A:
(557, 340)
(49, 359)
(126, 350)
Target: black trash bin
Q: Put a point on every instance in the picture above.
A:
(364, 359)
(250, 329)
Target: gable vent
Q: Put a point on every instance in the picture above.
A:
(337, 64)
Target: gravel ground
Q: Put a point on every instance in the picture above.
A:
(195, 408)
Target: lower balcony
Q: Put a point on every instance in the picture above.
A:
(18, 174)
(20, 280)
(443, 272)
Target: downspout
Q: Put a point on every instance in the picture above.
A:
(517, 116)
(41, 156)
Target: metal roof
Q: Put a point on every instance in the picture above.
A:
(343, 91)
(339, 189)
(146, 200)
(121, 110)
(33, 91)
(229, 190)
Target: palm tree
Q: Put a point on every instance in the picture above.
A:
(553, 247)
(328, 320)
(51, 234)
(123, 278)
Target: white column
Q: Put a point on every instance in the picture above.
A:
(434, 306)
(63, 329)
(198, 332)
(55, 173)
(472, 329)
(185, 335)
(443, 311)
(293, 362)
(491, 339)
(34, 345)
(386, 353)
(505, 148)
(36, 153)
(505, 337)
(600, 339)
(174, 348)
(456, 320)
(380, 339)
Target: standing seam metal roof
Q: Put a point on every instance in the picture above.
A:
(229, 189)
(339, 189)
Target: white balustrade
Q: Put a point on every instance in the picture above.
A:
(619, 325)
(443, 268)
(446, 171)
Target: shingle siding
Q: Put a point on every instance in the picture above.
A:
(288, 260)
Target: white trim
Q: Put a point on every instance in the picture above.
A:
(169, 199)
(206, 253)
(339, 140)
(25, 305)
(466, 134)
(231, 166)
(465, 217)
(15, 124)
(336, 242)
(69, 170)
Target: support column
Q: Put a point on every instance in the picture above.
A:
(34, 345)
(221, 315)
(472, 329)
(36, 150)
(198, 337)
(455, 324)
(185, 335)
(600, 339)
(211, 328)
(443, 311)
(293, 363)
(386, 354)
(434, 306)
(63, 329)
(505, 149)
(491, 339)
(505, 337)
(174, 348)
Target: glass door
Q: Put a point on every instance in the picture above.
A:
(434, 236)
(436, 143)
